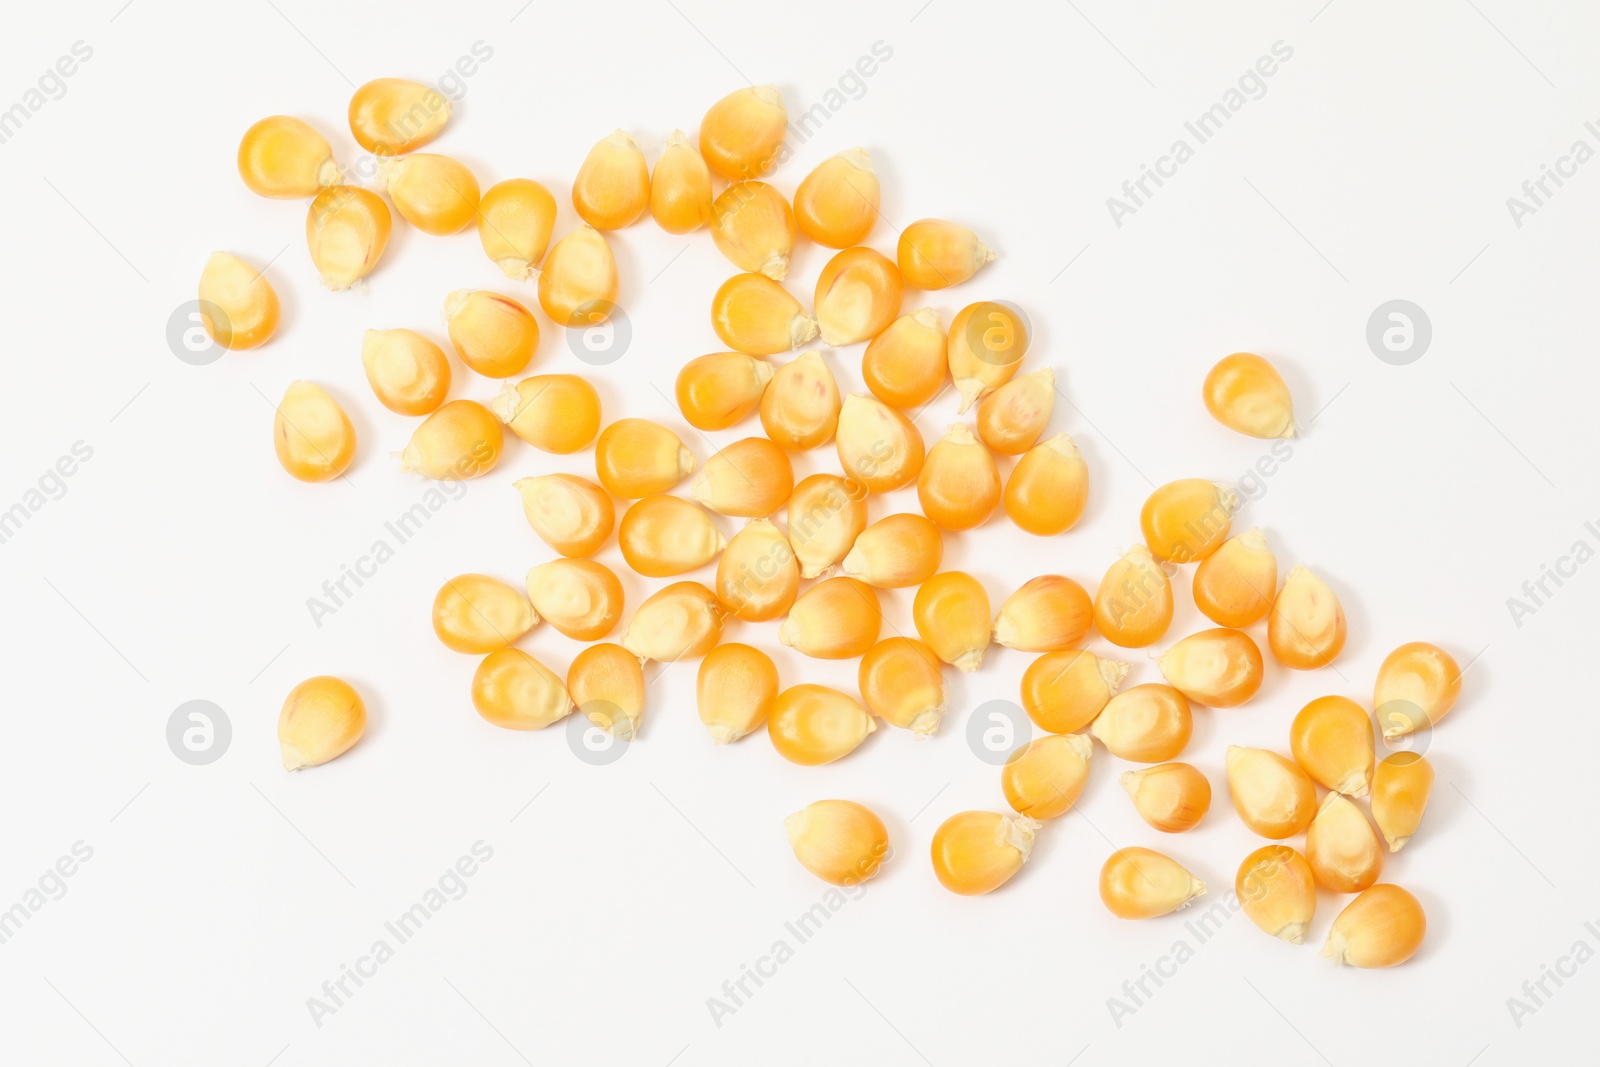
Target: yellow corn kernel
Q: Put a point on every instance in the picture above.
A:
(1219, 668)
(389, 116)
(680, 188)
(1149, 723)
(757, 576)
(1400, 788)
(636, 457)
(1342, 847)
(749, 479)
(878, 446)
(800, 409)
(1234, 586)
(1417, 686)
(237, 304)
(753, 227)
(476, 613)
(578, 285)
(1172, 797)
(742, 134)
(735, 690)
(895, 552)
(1331, 739)
(513, 690)
(1272, 794)
(901, 683)
(1276, 890)
(284, 158)
(682, 621)
(408, 373)
(722, 389)
(557, 413)
(1382, 927)
(836, 204)
(322, 718)
(665, 535)
(612, 189)
(1049, 613)
(1064, 691)
(1140, 883)
(1011, 418)
(905, 365)
(951, 612)
(515, 218)
(935, 254)
(977, 852)
(1246, 393)
(826, 515)
(812, 724)
(959, 485)
(434, 193)
(985, 346)
(838, 618)
(1047, 489)
(570, 514)
(582, 599)
(493, 334)
(1133, 605)
(1043, 779)
(755, 315)
(347, 229)
(858, 295)
(1186, 520)
(839, 841)
(461, 440)
(1306, 628)
(606, 684)
(311, 433)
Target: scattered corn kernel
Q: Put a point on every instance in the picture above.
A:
(959, 485)
(1063, 691)
(434, 193)
(758, 576)
(389, 116)
(878, 446)
(1234, 585)
(682, 621)
(826, 515)
(284, 158)
(515, 218)
(1220, 668)
(742, 134)
(752, 226)
(582, 599)
(1306, 628)
(977, 852)
(935, 254)
(985, 346)
(1133, 605)
(1043, 779)
(578, 285)
(1275, 889)
(812, 724)
(1331, 739)
(1417, 686)
(1400, 788)
(1246, 393)
(637, 457)
(461, 440)
(837, 203)
(749, 479)
(1047, 489)
(663, 535)
(1140, 883)
(1186, 520)
(905, 364)
(493, 334)
(901, 683)
(347, 229)
(570, 514)
(311, 433)
(680, 188)
(513, 690)
(735, 690)
(1171, 797)
(557, 413)
(951, 612)
(895, 552)
(612, 189)
(1382, 927)
(755, 315)
(800, 409)
(476, 613)
(1011, 418)
(839, 841)
(1149, 723)
(1342, 847)
(1272, 795)
(1049, 613)
(838, 618)
(858, 295)
(237, 304)
(722, 389)
(606, 684)
(408, 373)
(322, 718)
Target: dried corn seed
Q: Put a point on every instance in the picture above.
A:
(977, 852)
(755, 315)
(839, 841)
(237, 304)
(858, 295)
(1400, 788)
(741, 135)
(901, 683)
(284, 158)
(838, 618)
(1044, 778)
(612, 188)
(722, 389)
(800, 408)
(812, 724)
(878, 446)
(582, 599)
(311, 434)
(1272, 794)
(1417, 685)
(434, 193)
(758, 577)
(476, 613)
(682, 621)
(1331, 739)
(513, 690)
(461, 440)
(895, 552)
(322, 719)
(905, 364)
(557, 413)
(347, 229)
(752, 226)
(515, 218)
(636, 458)
(408, 373)
(578, 285)
(1140, 883)
(606, 685)
(959, 485)
(1382, 927)
(1049, 613)
(984, 348)
(1186, 520)
(1011, 418)
(1234, 585)
(1133, 605)
(662, 535)
(1047, 489)
(493, 334)
(680, 188)
(1149, 723)
(836, 204)
(572, 515)
(735, 690)
(1276, 890)
(827, 514)
(1246, 393)
(1172, 797)
(1220, 668)
(1342, 847)
(951, 612)
(1064, 691)
(935, 254)
(1306, 628)
(749, 479)
(389, 116)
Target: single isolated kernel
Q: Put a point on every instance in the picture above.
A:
(813, 724)
(1048, 488)
(238, 306)
(321, 719)
(1383, 927)
(836, 204)
(558, 413)
(1272, 794)
(578, 285)
(1276, 890)
(800, 408)
(858, 295)
(959, 485)
(951, 613)
(1400, 788)
(580, 598)
(742, 134)
(606, 683)
(1011, 418)
(680, 188)
(347, 229)
(514, 691)
(749, 479)
(985, 346)
(1187, 520)
(935, 254)
(1417, 685)
(755, 315)
(493, 334)
(311, 433)
(839, 841)
(1235, 585)
(408, 373)
(895, 552)
(1306, 628)
(1049, 613)
(735, 690)
(637, 458)
(1149, 723)
(753, 226)
(1140, 883)
(826, 514)
(1064, 691)
(1171, 797)
(721, 389)
(1219, 668)
(572, 515)
(878, 446)
(905, 365)
(838, 618)
(461, 440)
(515, 218)
(758, 576)
(977, 852)
(477, 614)
(1343, 849)
(284, 158)
(389, 116)
(1133, 605)
(901, 683)
(661, 536)
(1045, 777)
(682, 621)
(1246, 393)
(1331, 739)
(612, 189)
(436, 194)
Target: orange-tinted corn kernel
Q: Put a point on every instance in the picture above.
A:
(1220, 668)
(1011, 418)
(606, 684)
(557, 413)
(578, 285)
(748, 479)
(1049, 613)
(935, 254)
(461, 440)
(1383, 927)
(284, 158)
(977, 852)
(902, 684)
(951, 612)
(311, 434)
(735, 690)
(826, 515)
(661, 536)
(572, 515)
(1172, 797)
(895, 552)
(1133, 605)
(682, 621)
(322, 718)
(476, 613)
(389, 116)
(513, 690)
(612, 188)
(1186, 520)
(1417, 685)
(838, 618)
(1048, 488)
(582, 599)
(1342, 847)
(858, 296)
(1044, 778)
(742, 134)
(755, 315)
(515, 218)
(1400, 788)
(985, 346)
(839, 841)
(959, 485)
(347, 229)
(1234, 586)
(238, 306)
(878, 446)
(1272, 794)
(1331, 739)
(722, 389)
(637, 457)
(752, 226)
(812, 724)
(493, 334)
(836, 204)
(1140, 883)
(1276, 890)
(408, 373)
(1064, 691)
(434, 193)
(1149, 723)
(680, 188)
(800, 409)
(1246, 393)
(1306, 628)
(905, 365)
(758, 576)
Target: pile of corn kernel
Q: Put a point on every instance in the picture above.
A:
(909, 360)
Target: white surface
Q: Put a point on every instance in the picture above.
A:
(178, 562)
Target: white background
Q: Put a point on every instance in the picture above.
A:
(178, 563)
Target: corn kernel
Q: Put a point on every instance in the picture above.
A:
(977, 852)
(237, 304)
(1044, 778)
(951, 612)
(1234, 586)
(838, 618)
(682, 621)
(812, 724)
(1133, 605)
(741, 135)
(758, 577)
(1186, 520)
(959, 485)
(1382, 927)
(895, 552)
(755, 315)
(557, 413)
(1049, 613)
(1220, 668)
(749, 479)
(1400, 788)
(665, 535)
(1140, 883)
(408, 373)
(1011, 418)
(570, 514)
(752, 226)
(1272, 795)
(606, 684)
(1245, 393)
(858, 295)
(935, 254)
(612, 189)
(1275, 889)
(735, 690)
(515, 218)
(877, 445)
(1342, 847)
(836, 205)
(311, 433)
(347, 229)
(1171, 797)
(578, 285)
(722, 389)
(636, 458)
(905, 365)
(800, 409)
(1048, 488)
(284, 158)
(513, 690)
(1064, 691)
(827, 514)
(901, 683)
(476, 613)
(389, 116)
(1149, 723)
(582, 599)
(493, 334)
(462, 439)
(839, 841)
(985, 347)
(321, 720)
(1331, 739)
(680, 188)
(1306, 628)
(1417, 685)
(434, 193)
